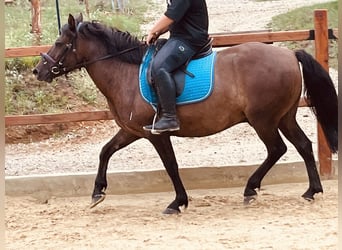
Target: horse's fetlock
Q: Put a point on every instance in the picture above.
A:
(183, 201)
(250, 192)
(253, 184)
(99, 188)
(317, 190)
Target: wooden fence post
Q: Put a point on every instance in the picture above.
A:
(322, 56)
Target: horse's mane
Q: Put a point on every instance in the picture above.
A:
(114, 40)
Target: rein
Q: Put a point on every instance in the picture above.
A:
(57, 68)
(83, 64)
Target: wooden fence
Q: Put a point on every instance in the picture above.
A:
(321, 35)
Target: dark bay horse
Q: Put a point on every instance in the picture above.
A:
(254, 83)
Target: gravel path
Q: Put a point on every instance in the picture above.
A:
(78, 151)
(246, 15)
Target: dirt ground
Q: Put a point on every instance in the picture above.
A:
(215, 219)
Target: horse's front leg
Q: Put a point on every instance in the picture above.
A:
(164, 148)
(119, 141)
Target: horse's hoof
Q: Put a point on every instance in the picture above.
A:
(171, 211)
(311, 192)
(98, 198)
(249, 199)
(308, 198)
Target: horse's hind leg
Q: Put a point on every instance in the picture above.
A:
(291, 130)
(275, 149)
(119, 141)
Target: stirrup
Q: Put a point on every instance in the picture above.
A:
(159, 131)
(151, 127)
(155, 131)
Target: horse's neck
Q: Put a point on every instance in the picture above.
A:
(117, 81)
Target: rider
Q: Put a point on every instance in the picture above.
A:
(187, 21)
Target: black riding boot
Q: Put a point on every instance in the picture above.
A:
(166, 92)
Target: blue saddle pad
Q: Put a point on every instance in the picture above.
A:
(196, 89)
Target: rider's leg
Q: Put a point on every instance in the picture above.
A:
(170, 57)
(166, 92)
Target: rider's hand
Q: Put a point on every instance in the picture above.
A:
(151, 38)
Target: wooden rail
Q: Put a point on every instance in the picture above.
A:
(219, 40)
(20, 120)
(26, 51)
(17, 120)
(321, 34)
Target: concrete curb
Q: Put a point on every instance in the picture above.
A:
(151, 181)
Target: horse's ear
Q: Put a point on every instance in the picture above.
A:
(72, 23)
(79, 19)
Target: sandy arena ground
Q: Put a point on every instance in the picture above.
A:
(215, 219)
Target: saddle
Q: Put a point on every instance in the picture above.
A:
(179, 74)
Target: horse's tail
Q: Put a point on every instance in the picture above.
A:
(321, 94)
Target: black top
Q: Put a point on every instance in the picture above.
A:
(190, 21)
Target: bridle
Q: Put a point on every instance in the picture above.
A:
(57, 66)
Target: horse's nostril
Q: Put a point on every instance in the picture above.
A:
(35, 71)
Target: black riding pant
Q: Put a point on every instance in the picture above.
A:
(171, 56)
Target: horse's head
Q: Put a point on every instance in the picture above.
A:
(62, 57)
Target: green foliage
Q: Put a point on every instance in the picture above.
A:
(23, 93)
(18, 19)
(84, 87)
(24, 96)
(303, 18)
(21, 64)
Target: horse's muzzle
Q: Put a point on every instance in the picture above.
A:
(47, 76)
(35, 71)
